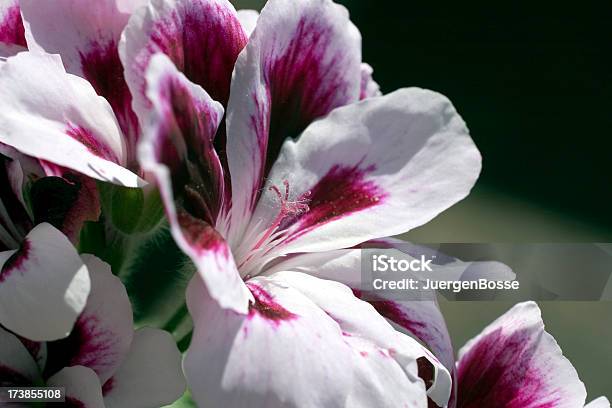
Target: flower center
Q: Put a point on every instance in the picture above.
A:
(273, 234)
(287, 209)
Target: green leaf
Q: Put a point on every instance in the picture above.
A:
(131, 210)
(156, 273)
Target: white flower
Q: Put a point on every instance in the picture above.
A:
(364, 167)
(43, 282)
(515, 363)
(103, 363)
(265, 336)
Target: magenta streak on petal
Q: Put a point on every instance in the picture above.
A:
(11, 27)
(393, 312)
(184, 144)
(203, 39)
(108, 386)
(302, 88)
(16, 261)
(434, 336)
(11, 378)
(499, 371)
(51, 169)
(288, 209)
(261, 124)
(32, 346)
(73, 403)
(93, 144)
(201, 236)
(90, 344)
(265, 306)
(341, 192)
(365, 79)
(103, 69)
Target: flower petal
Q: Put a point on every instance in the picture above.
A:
(76, 29)
(17, 367)
(11, 25)
(86, 35)
(369, 87)
(43, 285)
(515, 363)
(37, 349)
(201, 37)
(301, 62)
(12, 38)
(180, 156)
(103, 333)
(438, 386)
(150, 376)
(8, 50)
(82, 387)
(601, 402)
(183, 123)
(21, 170)
(376, 168)
(421, 319)
(66, 200)
(301, 335)
(248, 19)
(50, 115)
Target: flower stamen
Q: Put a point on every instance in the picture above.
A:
(287, 209)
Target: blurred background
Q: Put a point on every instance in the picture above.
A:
(533, 82)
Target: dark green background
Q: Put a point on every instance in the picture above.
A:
(532, 81)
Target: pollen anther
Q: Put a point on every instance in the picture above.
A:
(287, 209)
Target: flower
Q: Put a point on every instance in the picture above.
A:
(215, 99)
(78, 130)
(359, 171)
(43, 206)
(515, 363)
(164, 76)
(43, 282)
(422, 318)
(512, 363)
(103, 363)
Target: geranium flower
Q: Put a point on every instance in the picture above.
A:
(43, 282)
(359, 171)
(513, 363)
(74, 128)
(43, 205)
(367, 170)
(103, 363)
